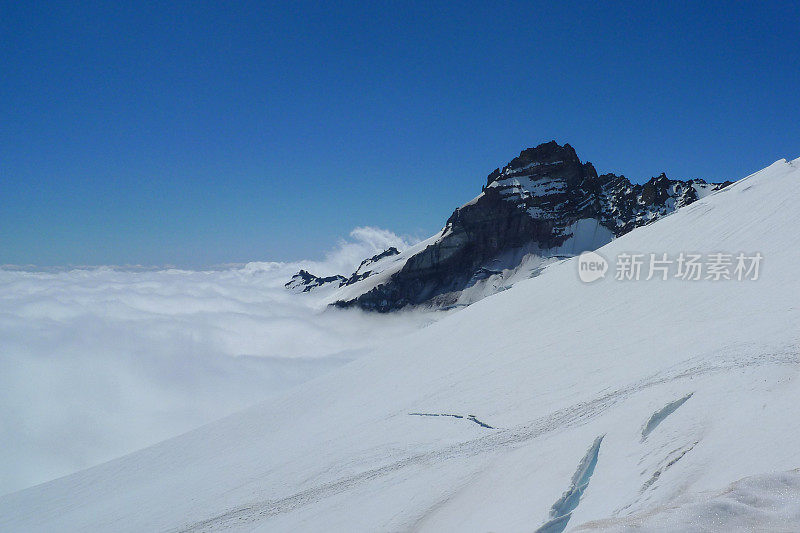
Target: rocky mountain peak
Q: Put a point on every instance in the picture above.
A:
(549, 159)
(545, 203)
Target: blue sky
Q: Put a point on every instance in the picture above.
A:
(203, 133)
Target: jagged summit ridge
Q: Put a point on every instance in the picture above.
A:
(550, 182)
(304, 281)
(546, 203)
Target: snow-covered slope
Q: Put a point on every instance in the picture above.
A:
(554, 403)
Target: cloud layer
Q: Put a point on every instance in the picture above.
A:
(99, 362)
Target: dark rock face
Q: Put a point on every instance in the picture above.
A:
(534, 203)
(305, 281)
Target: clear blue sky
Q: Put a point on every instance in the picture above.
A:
(201, 133)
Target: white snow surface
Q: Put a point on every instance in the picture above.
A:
(766, 502)
(551, 365)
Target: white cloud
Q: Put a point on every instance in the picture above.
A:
(102, 361)
(365, 241)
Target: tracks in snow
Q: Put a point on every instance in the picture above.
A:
(566, 417)
(672, 458)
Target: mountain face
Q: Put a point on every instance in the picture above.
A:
(362, 272)
(545, 202)
(305, 281)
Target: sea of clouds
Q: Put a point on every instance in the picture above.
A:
(98, 362)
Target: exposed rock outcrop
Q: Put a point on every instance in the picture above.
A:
(305, 281)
